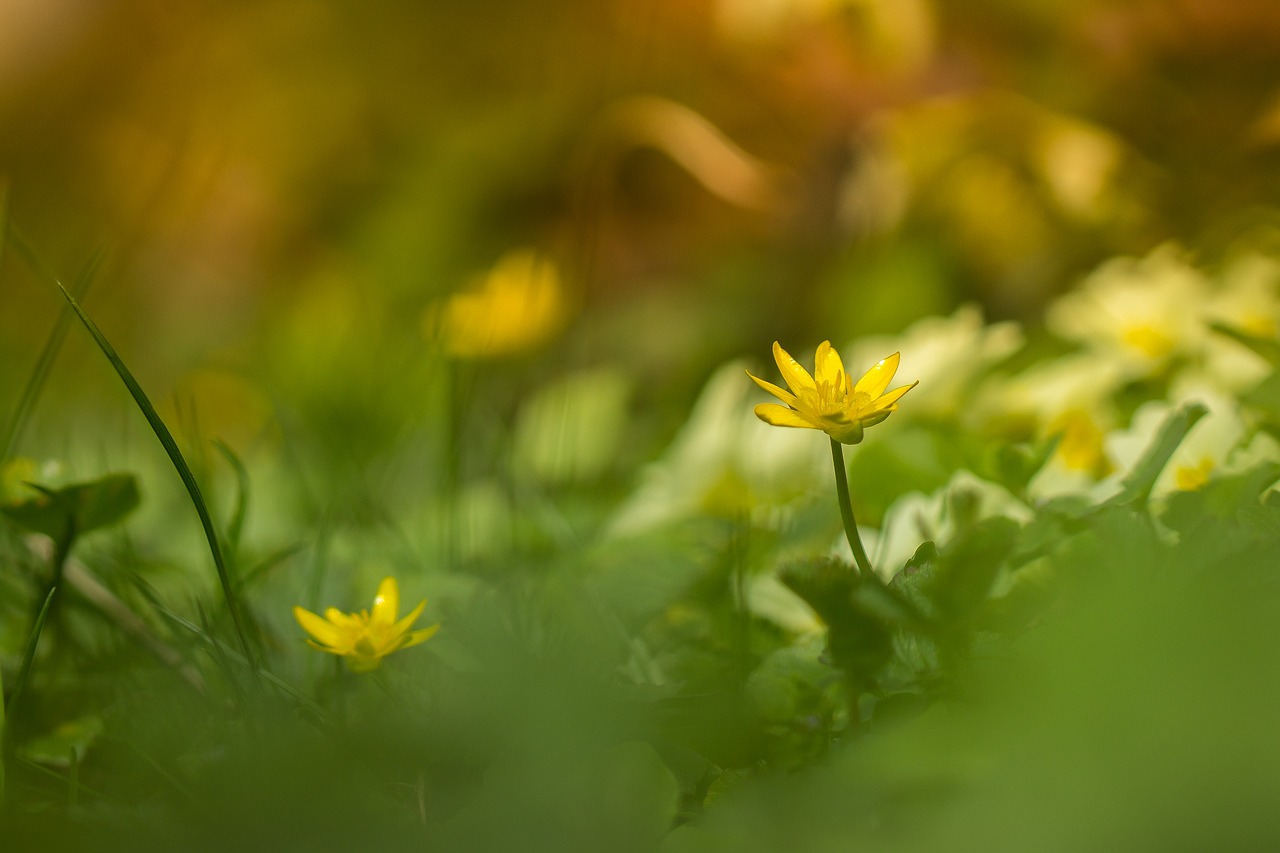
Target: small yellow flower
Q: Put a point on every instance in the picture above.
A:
(517, 305)
(830, 400)
(365, 638)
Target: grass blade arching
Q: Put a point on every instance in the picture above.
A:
(166, 439)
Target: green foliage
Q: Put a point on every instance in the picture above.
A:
(1136, 488)
(78, 508)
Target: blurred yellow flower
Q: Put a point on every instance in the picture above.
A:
(1080, 444)
(1189, 478)
(517, 305)
(830, 400)
(365, 638)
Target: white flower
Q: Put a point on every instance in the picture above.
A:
(1069, 397)
(724, 459)
(1247, 301)
(1206, 451)
(915, 517)
(1140, 311)
(948, 355)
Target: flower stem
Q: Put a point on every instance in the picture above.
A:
(846, 511)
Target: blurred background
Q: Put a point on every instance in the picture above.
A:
(284, 189)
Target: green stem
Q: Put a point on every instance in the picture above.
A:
(3, 740)
(846, 511)
(7, 743)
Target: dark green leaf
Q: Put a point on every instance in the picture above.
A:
(1224, 497)
(968, 566)
(81, 507)
(1268, 348)
(859, 637)
(1015, 465)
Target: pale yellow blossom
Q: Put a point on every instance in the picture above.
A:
(1142, 312)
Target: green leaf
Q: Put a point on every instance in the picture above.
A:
(79, 507)
(1136, 488)
(968, 565)
(1224, 497)
(1265, 398)
(1268, 348)
(55, 748)
(1015, 465)
(859, 636)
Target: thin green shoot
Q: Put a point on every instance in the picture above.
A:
(3, 752)
(24, 674)
(268, 563)
(44, 364)
(235, 527)
(220, 649)
(54, 774)
(166, 439)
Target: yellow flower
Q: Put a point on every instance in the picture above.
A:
(365, 638)
(517, 305)
(830, 400)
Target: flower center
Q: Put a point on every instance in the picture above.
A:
(1188, 478)
(831, 397)
(1080, 447)
(1148, 340)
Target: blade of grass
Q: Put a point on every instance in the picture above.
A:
(54, 774)
(44, 364)
(24, 673)
(3, 756)
(235, 527)
(4, 212)
(220, 649)
(171, 448)
(73, 779)
(268, 563)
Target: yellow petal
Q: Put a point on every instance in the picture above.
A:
(798, 379)
(785, 396)
(404, 624)
(325, 632)
(827, 366)
(313, 644)
(875, 418)
(875, 380)
(344, 621)
(775, 415)
(421, 636)
(887, 400)
(386, 603)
